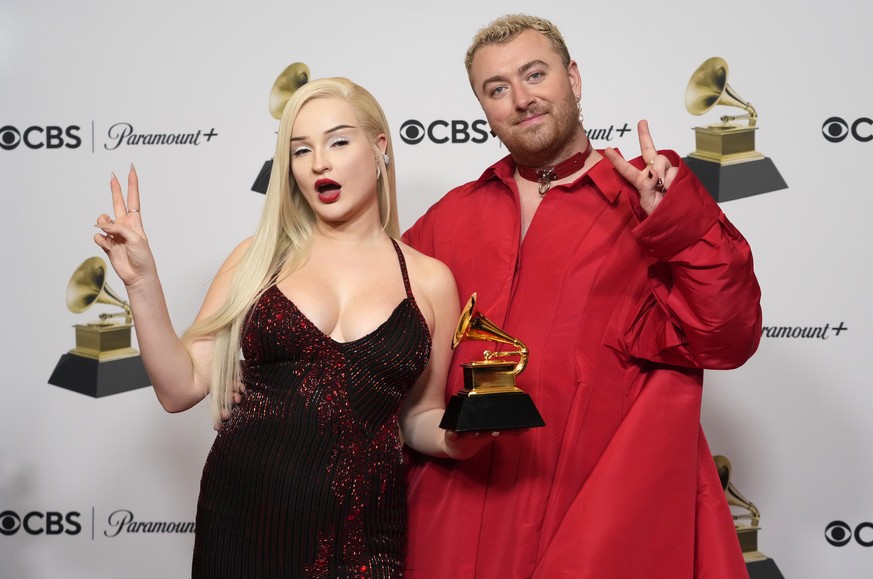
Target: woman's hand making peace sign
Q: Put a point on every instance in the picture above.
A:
(123, 238)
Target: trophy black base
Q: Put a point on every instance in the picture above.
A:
(764, 569)
(263, 178)
(737, 180)
(97, 379)
(500, 411)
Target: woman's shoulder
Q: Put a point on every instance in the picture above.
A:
(236, 254)
(242, 246)
(432, 281)
(425, 264)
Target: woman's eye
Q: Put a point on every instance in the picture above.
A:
(299, 151)
(340, 142)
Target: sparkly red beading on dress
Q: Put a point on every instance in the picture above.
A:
(305, 478)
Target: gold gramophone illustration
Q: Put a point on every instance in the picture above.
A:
(490, 399)
(289, 80)
(746, 523)
(103, 361)
(286, 84)
(725, 158)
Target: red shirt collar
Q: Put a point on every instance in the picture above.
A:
(602, 175)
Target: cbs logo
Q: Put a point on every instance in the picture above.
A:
(839, 534)
(36, 137)
(413, 132)
(836, 129)
(37, 523)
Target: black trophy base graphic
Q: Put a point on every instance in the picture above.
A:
(738, 180)
(499, 411)
(764, 569)
(97, 379)
(263, 178)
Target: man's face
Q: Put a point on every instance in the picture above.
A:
(528, 96)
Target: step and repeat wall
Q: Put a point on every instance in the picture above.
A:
(96, 480)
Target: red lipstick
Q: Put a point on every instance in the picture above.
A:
(328, 190)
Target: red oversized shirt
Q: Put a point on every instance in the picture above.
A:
(620, 312)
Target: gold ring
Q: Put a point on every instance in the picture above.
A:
(133, 210)
(650, 163)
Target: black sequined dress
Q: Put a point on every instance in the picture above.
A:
(305, 479)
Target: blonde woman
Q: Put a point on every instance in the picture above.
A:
(345, 335)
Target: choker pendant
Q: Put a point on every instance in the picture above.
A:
(544, 177)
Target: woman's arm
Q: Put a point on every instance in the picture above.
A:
(180, 376)
(425, 405)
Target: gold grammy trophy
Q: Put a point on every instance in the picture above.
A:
(758, 564)
(490, 399)
(289, 80)
(103, 361)
(725, 159)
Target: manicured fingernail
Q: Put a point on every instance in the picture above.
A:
(651, 174)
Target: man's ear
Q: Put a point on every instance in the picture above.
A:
(575, 78)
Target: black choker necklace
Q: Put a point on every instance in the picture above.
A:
(563, 169)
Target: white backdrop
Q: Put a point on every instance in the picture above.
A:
(795, 421)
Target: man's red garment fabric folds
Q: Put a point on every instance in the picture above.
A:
(621, 313)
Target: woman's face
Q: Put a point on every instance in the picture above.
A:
(334, 164)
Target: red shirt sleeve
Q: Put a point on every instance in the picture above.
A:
(705, 305)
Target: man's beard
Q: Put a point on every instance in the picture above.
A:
(545, 145)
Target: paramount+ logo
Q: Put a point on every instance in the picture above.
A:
(119, 522)
(118, 135)
(441, 131)
(40, 137)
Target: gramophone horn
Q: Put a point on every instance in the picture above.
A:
(474, 326)
(708, 87)
(88, 286)
(292, 78)
(734, 497)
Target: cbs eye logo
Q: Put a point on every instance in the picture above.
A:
(836, 129)
(36, 137)
(840, 534)
(37, 523)
(413, 132)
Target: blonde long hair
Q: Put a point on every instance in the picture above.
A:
(283, 237)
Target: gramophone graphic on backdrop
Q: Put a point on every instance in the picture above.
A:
(103, 361)
(725, 159)
(289, 80)
(746, 520)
